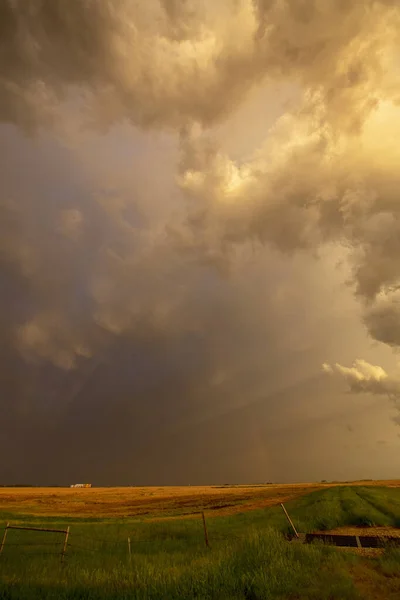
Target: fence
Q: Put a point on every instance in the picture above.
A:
(76, 543)
(126, 546)
(65, 532)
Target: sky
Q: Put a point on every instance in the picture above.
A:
(199, 241)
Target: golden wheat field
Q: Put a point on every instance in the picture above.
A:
(156, 502)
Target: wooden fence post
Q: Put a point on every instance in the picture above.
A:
(205, 530)
(129, 550)
(3, 541)
(65, 545)
(290, 521)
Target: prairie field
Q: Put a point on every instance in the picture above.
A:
(248, 554)
(151, 502)
(158, 502)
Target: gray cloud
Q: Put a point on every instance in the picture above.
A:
(113, 58)
(383, 317)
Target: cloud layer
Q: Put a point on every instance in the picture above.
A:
(118, 255)
(308, 187)
(167, 63)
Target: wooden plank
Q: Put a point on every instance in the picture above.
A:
(129, 550)
(205, 530)
(64, 550)
(39, 529)
(3, 541)
(353, 541)
(290, 520)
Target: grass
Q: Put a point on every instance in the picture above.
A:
(341, 506)
(257, 566)
(248, 557)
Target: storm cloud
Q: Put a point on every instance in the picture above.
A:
(167, 63)
(162, 283)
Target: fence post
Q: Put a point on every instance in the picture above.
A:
(205, 530)
(129, 550)
(65, 545)
(290, 520)
(3, 541)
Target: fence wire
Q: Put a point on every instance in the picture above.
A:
(93, 544)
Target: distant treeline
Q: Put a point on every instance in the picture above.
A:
(29, 485)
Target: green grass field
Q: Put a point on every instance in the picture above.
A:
(248, 557)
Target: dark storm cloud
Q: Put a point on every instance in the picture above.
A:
(124, 60)
(142, 343)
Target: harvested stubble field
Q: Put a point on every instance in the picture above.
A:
(153, 502)
(247, 558)
(157, 502)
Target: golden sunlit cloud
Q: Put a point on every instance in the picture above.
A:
(363, 377)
